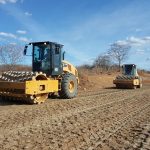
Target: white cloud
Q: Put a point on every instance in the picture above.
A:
(28, 13)
(23, 39)
(8, 1)
(147, 38)
(13, 43)
(9, 35)
(134, 41)
(140, 51)
(21, 31)
(122, 42)
(14, 37)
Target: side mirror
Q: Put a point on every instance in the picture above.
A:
(64, 55)
(25, 50)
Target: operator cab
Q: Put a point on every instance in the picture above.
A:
(129, 70)
(46, 57)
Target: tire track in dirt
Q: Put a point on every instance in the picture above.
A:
(73, 131)
(102, 91)
(25, 116)
(107, 91)
(121, 123)
(72, 113)
(135, 135)
(142, 137)
(100, 132)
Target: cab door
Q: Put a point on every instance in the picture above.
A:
(56, 60)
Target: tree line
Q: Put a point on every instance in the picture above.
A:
(117, 53)
(11, 55)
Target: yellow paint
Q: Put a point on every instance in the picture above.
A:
(68, 67)
(130, 82)
(136, 82)
(71, 86)
(39, 87)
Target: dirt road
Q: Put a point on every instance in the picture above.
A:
(108, 119)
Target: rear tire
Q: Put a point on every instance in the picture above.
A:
(69, 86)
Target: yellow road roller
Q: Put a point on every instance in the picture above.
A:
(50, 74)
(129, 77)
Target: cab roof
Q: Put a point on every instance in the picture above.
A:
(129, 65)
(47, 42)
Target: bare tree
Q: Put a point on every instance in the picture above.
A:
(103, 62)
(10, 55)
(119, 52)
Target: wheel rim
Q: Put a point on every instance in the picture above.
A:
(71, 86)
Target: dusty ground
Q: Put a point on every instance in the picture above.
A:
(93, 81)
(107, 119)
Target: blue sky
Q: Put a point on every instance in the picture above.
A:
(85, 27)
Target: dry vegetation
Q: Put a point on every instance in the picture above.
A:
(4, 68)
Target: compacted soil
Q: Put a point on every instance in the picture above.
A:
(106, 119)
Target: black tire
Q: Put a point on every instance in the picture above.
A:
(52, 95)
(68, 80)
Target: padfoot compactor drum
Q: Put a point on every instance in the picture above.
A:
(129, 78)
(50, 74)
